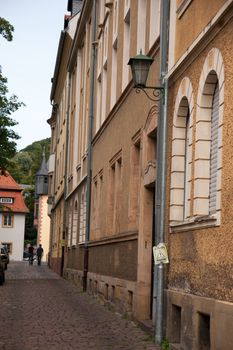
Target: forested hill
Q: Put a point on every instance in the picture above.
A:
(26, 162)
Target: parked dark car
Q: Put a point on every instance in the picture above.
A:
(2, 271)
(4, 255)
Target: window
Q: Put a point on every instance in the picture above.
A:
(82, 219)
(126, 45)
(195, 192)
(97, 188)
(75, 224)
(208, 143)
(134, 186)
(186, 167)
(214, 151)
(115, 188)
(141, 26)
(7, 220)
(114, 75)
(182, 7)
(181, 180)
(69, 238)
(206, 152)
(154, 21)
(5, 200)
(114, 55)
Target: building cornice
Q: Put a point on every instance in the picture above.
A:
(121, 237)
(222, 17)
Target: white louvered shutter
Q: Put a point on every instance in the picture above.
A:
(186, 166)
(214, 152)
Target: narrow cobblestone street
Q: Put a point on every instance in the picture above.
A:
(40, 310)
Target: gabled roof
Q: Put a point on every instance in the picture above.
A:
(7, 182)
(10, 189)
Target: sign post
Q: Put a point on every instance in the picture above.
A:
(160, 254)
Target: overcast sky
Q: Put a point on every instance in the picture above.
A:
(28, 61)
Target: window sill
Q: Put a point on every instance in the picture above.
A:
(196, 223)
(183, 7)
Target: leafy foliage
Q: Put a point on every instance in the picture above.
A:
(165, 345)
(8, 105)
(30, 230)
(24, 165)
(6, 29)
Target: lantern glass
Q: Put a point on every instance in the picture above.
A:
(140, 66)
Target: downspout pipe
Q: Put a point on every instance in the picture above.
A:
(65, 174)
(161, 171)
(89, 144)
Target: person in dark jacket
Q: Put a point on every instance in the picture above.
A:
(30, 254)
(39, 253)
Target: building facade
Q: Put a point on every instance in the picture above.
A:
(199, 293)
(106, 139)
(59, 124)
(12, 217)
(111, 156)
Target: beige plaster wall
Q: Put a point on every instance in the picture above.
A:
(43, 227)
(116, 136)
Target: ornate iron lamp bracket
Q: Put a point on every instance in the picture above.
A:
(157, 92)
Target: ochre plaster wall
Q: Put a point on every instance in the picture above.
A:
(201, 260)
(195, 18)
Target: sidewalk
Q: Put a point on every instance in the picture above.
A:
(40, 310)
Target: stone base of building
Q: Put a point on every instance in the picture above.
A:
(195, 322)
(116, 293)
(55, 265)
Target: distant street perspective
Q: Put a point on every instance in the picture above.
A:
(116, 227)
(40, 310)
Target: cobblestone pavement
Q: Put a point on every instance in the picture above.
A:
(40, 310)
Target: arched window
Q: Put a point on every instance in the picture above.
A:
(75, 224)
(181, 163)
(186, 167)
(82, 217)
(208, 143)
(214, 151)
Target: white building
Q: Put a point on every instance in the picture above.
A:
(12, 217)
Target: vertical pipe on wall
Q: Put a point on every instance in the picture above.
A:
(65, 173)
(89, 145)
(161, 171)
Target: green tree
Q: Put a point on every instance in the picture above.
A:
(36, 150)
(30, 229)
(6, 29)
(20, 168)
(24, 165)
(8, 105)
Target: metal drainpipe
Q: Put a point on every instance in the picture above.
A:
(65, 173)
(161, 171)
(89, 146)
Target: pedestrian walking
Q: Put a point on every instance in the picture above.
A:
(39, 253)
(30, 254)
